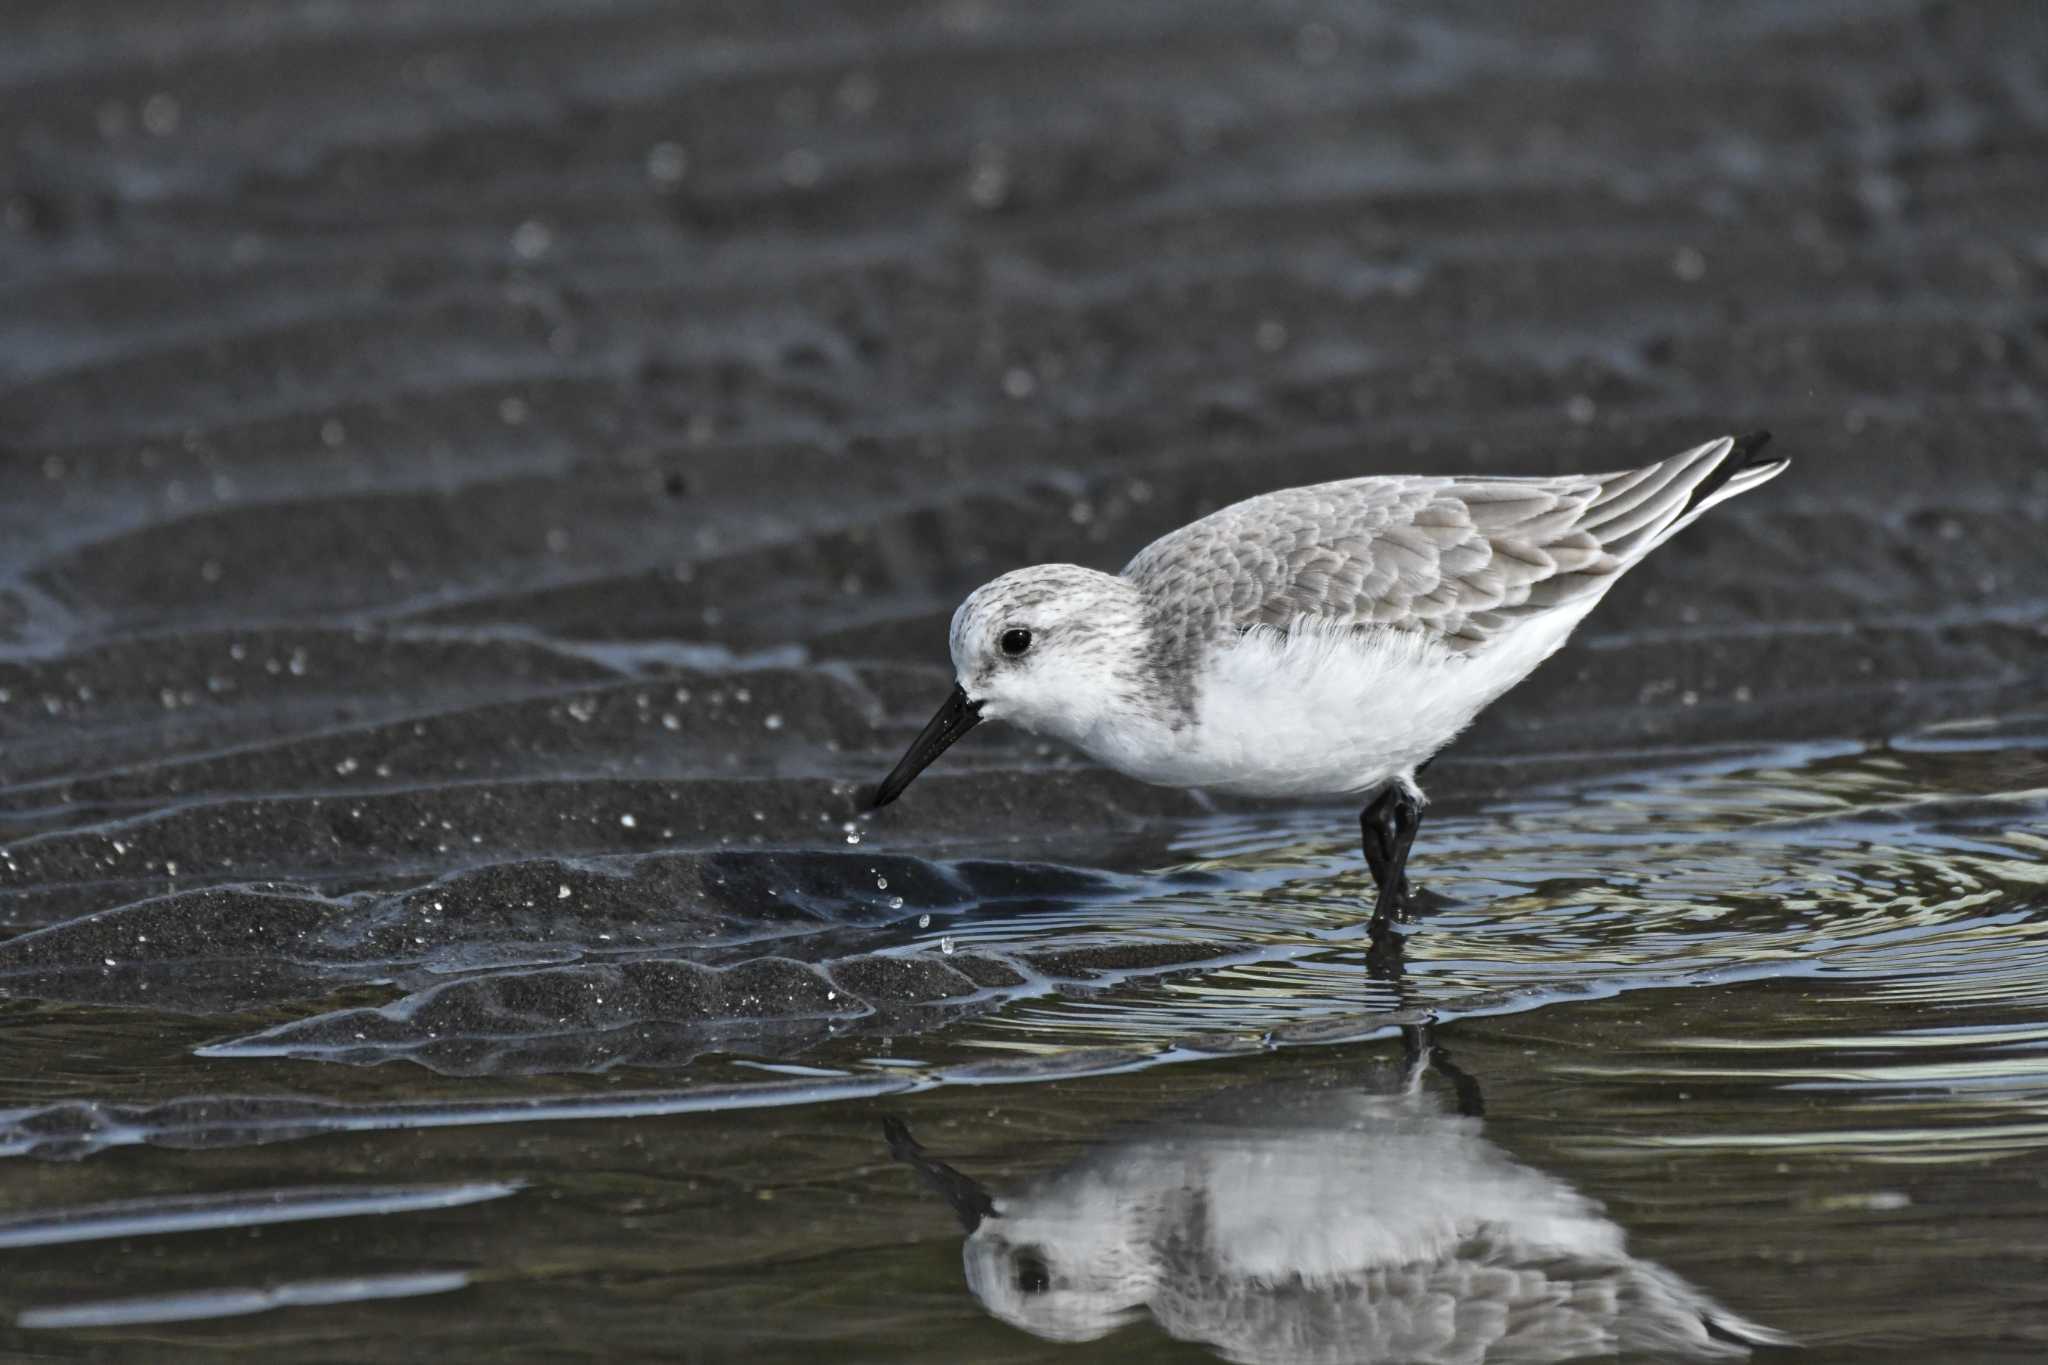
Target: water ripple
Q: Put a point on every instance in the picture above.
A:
(1893, 867)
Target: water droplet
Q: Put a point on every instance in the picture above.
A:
(857, 93)
(667, 164)
(924, 921)
(346, 766)
(896, 903)
(160, 115)
(561, 893)
(628, 821)
(531, 240)
(946, 945)
(802, 168)
(881, 883)
(772, 721)
(988, 178)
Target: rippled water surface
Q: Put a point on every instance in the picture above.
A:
(1780, 1017)
(1893, 864)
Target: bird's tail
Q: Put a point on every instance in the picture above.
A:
(1639, 509)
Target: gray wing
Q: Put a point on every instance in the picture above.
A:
(1461, 559)
(1486, 1302)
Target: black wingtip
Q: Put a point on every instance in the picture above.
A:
(1742, 454)
(1746, 447)
(1761, 1341)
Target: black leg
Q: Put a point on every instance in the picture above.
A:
(1372, 831)
(1387, 827)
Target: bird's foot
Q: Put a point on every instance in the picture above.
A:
(1418, 903)
(1406, 904)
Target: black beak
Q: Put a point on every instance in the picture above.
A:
(969, 1197)
(955, 718)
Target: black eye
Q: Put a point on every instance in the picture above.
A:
(1032, 1275)
(1016, 641)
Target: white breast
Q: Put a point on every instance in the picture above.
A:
(1313, 712)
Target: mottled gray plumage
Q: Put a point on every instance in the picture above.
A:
(1460, 559)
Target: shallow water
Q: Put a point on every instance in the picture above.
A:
(1780, 1017)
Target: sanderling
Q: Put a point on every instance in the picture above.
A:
(1317, 641)
(1324, 1222)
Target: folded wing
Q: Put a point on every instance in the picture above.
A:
(1463, 560)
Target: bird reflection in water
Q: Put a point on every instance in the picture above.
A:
(1306, 1223)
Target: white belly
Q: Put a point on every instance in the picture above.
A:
(1317, 713)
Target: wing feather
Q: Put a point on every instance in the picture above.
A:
(1463, 560)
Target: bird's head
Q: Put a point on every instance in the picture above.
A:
(1056, 648)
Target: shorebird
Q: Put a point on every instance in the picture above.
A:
(1318, 641)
